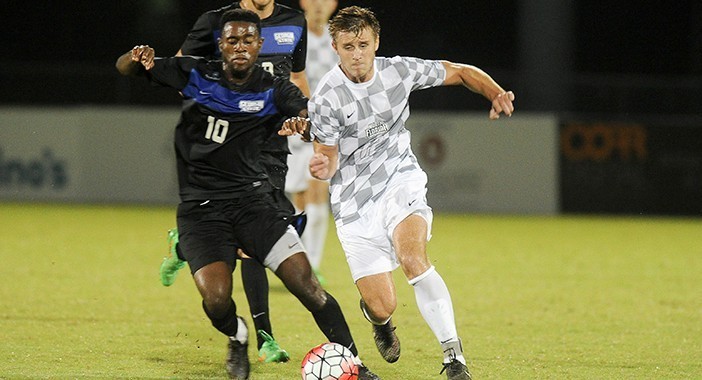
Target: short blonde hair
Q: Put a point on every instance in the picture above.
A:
(353, 19)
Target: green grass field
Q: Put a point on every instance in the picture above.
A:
(534, 298)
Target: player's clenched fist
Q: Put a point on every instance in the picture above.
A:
(502, 103)
(319, 166)
(145, 55)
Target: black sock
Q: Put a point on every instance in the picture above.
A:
(179, 253)
(228, 323)
(331, 321)
(255, 280)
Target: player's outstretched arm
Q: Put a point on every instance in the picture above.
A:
(480, 82)
(134, 61)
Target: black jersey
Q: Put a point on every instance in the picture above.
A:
(221, 130)
(284, 45)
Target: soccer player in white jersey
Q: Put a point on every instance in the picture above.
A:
(378, 191)
(309, 194)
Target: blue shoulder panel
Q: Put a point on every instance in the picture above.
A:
(221, 99)
(280, 39)
(277, 40)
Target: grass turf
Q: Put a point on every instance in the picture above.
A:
(534, 297)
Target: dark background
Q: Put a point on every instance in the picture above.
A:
(611, 57)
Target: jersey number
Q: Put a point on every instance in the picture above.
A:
(216, 129)
(268, 66)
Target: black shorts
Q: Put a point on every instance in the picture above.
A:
(275, 165)
(211, 231)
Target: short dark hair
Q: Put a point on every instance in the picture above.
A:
(353, 20)
(244, 15)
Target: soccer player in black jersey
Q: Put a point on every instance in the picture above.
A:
(226, 204)
(283, 54)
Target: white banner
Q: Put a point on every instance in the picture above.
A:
(125, 155)
(88, 154)
(476, 165)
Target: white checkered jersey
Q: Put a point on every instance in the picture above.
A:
(321, 57)
(367, 122)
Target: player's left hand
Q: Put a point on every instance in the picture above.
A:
(297, 124)
(502, 103)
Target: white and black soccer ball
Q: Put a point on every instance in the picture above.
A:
(329, 361)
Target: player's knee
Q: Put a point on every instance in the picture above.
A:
(414, 264)
(313, 296)
(297, 275)
(217, 303)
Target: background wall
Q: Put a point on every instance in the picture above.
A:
(88, 154)
(605, 81)
(91, 154)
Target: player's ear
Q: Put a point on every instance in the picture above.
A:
(334, 46)
(377, 42)
(219, 43)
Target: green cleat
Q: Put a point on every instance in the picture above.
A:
(270, 351)
(320, 278)
(171, 264)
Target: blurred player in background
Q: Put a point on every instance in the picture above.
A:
(226, 204)
(378, 190)
(283, 54)
(310, 194)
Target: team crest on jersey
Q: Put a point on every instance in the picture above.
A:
(376, 128)
(284, 38)
(251, 106)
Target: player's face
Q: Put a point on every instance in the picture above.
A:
(240, 44)
(356, 53)
(318, 10)
(260, 4)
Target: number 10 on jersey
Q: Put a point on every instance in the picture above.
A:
(216, 129)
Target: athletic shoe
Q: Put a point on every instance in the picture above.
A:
(299, 222)
(387, 342)
(171, 264)
(238, 365)
(270, 351)
(455, 370)
(365, 374)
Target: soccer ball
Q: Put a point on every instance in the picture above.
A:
(329, 361)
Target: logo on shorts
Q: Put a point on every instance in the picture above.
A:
(412, 202)
(292, 245)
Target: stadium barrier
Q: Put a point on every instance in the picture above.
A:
(88, 155)
(527, 164)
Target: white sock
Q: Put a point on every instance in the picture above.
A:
(315, 232)
(453, 350)
(434, 302)
(242, 333)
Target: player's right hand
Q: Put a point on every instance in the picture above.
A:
(319, 166)
(145, 55)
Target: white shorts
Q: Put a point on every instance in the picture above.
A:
(298, 176)
(367, 242)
